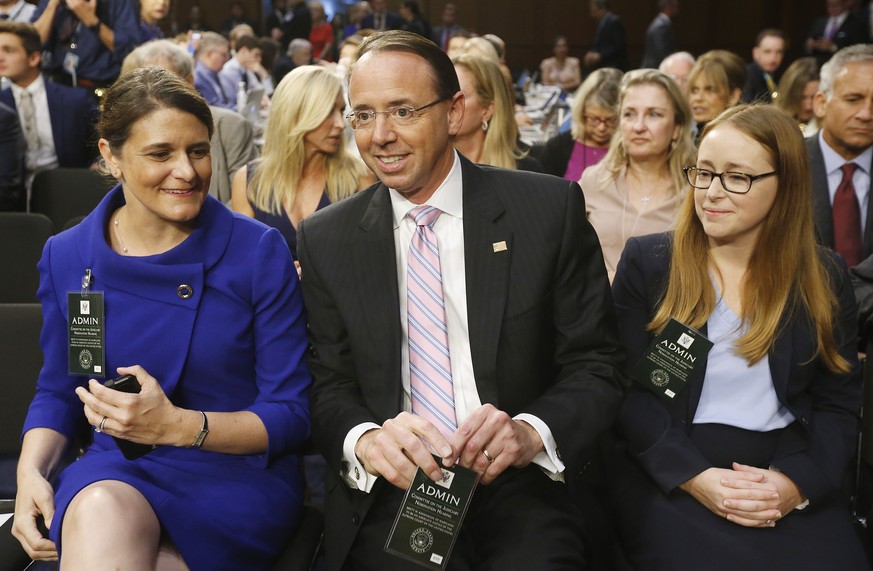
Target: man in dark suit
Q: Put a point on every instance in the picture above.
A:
(57, 121)
(523, 331)
(763, 71)
(660, 38)
(381, 18)
(841, 154)
(443, 34)
(12, 150)
(840, 28)
(610, 43)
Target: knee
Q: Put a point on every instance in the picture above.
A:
(111, 506)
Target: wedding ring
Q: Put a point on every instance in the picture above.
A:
(101, 426)
(488, 456)
(768, 521)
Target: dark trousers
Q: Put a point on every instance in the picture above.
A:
(523, 520)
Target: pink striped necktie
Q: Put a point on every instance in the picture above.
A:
(430, 368)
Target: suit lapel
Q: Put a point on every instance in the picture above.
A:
(58, 133)
(868, 227)
(376, 271)
(487, 273)
(821, 202)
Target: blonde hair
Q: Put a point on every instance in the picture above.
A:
(599, 88)
(681, 151)
(501, 139)
(725, 70)
(302, 101)
(785, 272)
(801, 72)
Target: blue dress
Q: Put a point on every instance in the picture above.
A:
(238, 343)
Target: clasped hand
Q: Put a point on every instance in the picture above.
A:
(147, 418)
(745, 495)
(397, 449)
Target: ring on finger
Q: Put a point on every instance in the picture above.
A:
(769, 521)
(101, 426)
(488, 456)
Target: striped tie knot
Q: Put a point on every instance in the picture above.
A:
(424, 215)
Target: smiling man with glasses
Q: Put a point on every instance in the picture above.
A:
(458, 309)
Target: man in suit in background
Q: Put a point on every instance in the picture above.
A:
(840, 28)
(57, 121)
(474, 291)
(841, 154)
(763, 71)
(212, 53)
(12, 149)
(443, 34)
(381, 18)
(660, 38)
(610, 43)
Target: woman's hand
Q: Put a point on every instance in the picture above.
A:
(35, 497)
(147, 418)
(744, 497)
(790, 495)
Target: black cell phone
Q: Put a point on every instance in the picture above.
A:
(128, 384)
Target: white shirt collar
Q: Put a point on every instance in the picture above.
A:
(833, 161)
(14, 10)
(448, 196)
(36, 87)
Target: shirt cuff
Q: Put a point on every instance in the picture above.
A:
(550, 459)
(353, 472)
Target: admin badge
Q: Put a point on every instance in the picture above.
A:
(446, 480)
(685, 340)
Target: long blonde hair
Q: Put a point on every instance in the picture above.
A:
(501, 139)
(681, 152)
(785, 273)
(301, 102)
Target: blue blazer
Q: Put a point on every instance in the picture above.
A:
(825, 405)
(73, 114)
(238, 343)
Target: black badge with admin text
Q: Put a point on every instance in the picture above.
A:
(86, 330)
(672, 357)
(430, 517)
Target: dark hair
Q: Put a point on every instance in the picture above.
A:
(444, 76)
(141, 92)
(412, 6)
(247, 42)
(770, 33)
(26, 32)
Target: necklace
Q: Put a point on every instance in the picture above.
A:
(118, 231)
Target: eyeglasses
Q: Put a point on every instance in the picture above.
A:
(735, 182)
(593, 121)
(402, 115)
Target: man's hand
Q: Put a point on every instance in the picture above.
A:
(508, 443)
(396, 450)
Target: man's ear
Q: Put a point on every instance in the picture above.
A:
(820, 105)
(456, 113)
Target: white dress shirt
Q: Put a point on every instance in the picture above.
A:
(45, 156)
(449, 228)
(861, 179)
(21, 11)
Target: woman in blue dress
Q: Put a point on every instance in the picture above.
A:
(203, 307)
(305, 165)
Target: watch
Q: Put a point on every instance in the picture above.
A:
(204, 431)
(95, 27)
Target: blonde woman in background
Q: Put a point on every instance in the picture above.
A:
(797, 89)
(637, 188)
(488, 133)
(594, 119)
(715, 83)
(304, 165)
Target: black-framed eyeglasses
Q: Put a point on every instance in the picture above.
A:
(735, 182)
(593, 121)
(401, 115)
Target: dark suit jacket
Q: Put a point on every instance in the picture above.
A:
(853, 31)
(12, 149)
(393, 21)
(821, 202)
(540, 319)
(825, 405)
(660, 41)
(756, 88)
(73, 114)
(437, 34)
(610, 42)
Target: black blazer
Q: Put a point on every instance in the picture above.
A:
(660, 41)
(541, 326)
(821, 201)
(853, 31)
(756, 88)
(610, 42)
(825, 405)
(12, 153)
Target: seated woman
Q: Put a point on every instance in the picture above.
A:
(594, 120)
(637, 188)
(715, 83)
(489, 134)
(797, 89)
(304, 165)
(742, 468)
(203, 307)
(560, 69)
